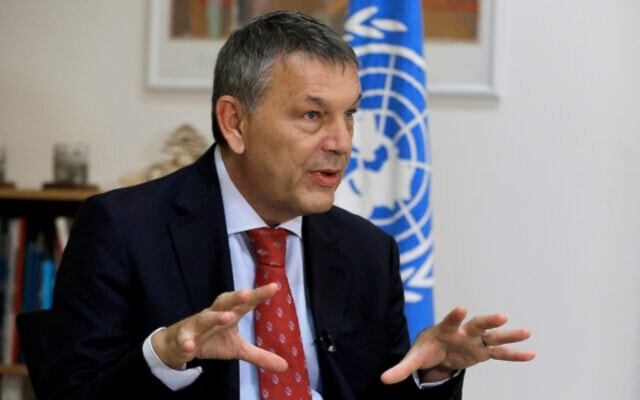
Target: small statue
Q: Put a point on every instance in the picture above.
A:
(185, 145)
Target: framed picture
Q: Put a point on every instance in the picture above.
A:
(461, 40)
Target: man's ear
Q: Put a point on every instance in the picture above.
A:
(229, 113)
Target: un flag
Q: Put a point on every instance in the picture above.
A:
(389, 176)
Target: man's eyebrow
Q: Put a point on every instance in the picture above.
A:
(357, 102)
(321, 102)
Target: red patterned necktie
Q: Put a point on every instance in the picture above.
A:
(276, 321)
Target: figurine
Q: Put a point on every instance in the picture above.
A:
(185, 145)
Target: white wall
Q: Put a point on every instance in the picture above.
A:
(536, 196)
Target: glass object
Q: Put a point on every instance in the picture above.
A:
(70, 164)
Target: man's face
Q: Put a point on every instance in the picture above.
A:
(297, 142)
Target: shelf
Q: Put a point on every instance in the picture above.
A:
(47, 194)
(43, 202)
(13, 369)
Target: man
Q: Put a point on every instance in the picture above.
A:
(156, 293)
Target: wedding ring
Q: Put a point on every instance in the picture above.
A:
(484, 338)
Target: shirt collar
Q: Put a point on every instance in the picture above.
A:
(239, 215)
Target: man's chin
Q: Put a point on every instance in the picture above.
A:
(320, 204)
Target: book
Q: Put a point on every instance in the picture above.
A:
(61, 236)
(35, 253)
(4, 269)
(19, 266)
(48, 275)
(13, 296)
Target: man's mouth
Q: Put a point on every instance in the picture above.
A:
(326, 177)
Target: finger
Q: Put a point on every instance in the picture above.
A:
(402, 370)
(481, 323)
(498, 337)
(262, 358)
(423, 354)
(244, 300)
(452, 321)
(509, 354)
(258, 295)
(207, 324)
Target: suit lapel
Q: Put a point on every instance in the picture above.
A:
(326, 278)
(200, 235)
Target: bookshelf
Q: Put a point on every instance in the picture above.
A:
(36, 204)
(45, 202)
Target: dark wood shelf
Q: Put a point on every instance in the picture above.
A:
(13, 369)
(43, 202)
(47, 194)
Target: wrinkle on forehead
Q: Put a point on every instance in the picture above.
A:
(309, 57)
(303, 70)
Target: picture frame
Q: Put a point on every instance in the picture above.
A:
(454, 68)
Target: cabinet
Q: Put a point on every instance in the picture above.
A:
(40, 205)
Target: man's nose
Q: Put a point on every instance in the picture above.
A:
(339, 136)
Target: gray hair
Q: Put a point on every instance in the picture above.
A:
(244, 63)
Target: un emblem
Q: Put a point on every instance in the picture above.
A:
(388, 177)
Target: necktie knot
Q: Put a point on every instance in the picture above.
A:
(269, 245)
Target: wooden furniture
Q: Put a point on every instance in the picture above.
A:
(38, 203)
(47, 202)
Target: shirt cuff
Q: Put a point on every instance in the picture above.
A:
(172, 378)
(426, 385)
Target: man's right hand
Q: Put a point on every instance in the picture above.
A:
(213, 333)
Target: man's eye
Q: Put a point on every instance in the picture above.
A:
(349, 114)
(311, 115)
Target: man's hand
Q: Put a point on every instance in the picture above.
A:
(213, 333)
(440, 350)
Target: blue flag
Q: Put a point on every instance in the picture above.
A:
(389, 176)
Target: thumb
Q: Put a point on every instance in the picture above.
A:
(400, 371)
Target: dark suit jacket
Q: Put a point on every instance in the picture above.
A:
(147, 256)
